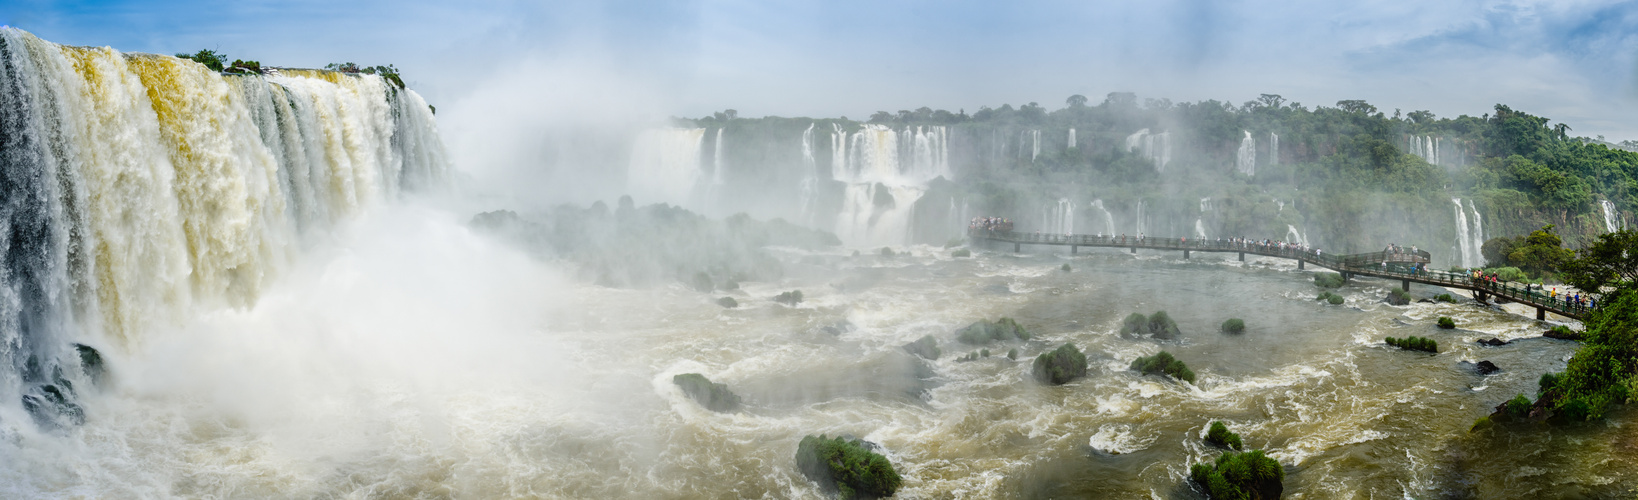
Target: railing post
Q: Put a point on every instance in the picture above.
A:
(1016, 247)
(1300, 263)
(1405, 285)
(1074, 249)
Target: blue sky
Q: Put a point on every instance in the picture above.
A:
(1575, 61)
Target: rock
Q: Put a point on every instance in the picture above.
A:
(1424, 301)
(1486, 367)
(847, 467)
(1562, 332)
(838, 328)
(91, 363)
(1060, 366)
(791, 298)
(728, 302)
(1493, 342)
(714, 397)
(984, 332)
(1398, 297)
(926, 347)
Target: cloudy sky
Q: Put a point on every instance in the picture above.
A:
(1572, 61)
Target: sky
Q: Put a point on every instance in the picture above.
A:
(1574, 62)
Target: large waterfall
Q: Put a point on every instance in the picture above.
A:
(1273, 148)
(809, 190)
(886, 172)
(1469, 234)
(1071, 138)
(665, 165)
(1612, 221)
(135, 188)
(1245, 158)
(1058, 217)
(1157, 148)
(1425, 147)
(1108, 218)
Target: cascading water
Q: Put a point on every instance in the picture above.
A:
(718, 173)
(1157, 148)
(1071, 138)
(1245, 158)
(1200, 222)
(1611, 222)
(1059, 217)
(1292, 235)
(665, 165)
(1469, 238)
(1108, 218)
(810, 176)
(1426, 148)
(135, 188)
(885, 178)
(1035, 145)
(1273, 148)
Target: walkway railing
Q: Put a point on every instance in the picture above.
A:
(1403, 265)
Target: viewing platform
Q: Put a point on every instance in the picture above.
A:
(1405, 266)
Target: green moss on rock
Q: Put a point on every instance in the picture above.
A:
(1220, 435)
(926, 347)
(1164, 364)
(1249, 475)
(847, 467)
(1446, 323)
(1329, 280)
(985, 331)
(791, 298)
(1234, 326)
(1060, 366)
(1414, 344)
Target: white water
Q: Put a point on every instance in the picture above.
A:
(1292, 235)
(1059, 217)
(1072, 138)
(1426, 148)
(1469, 236)
(810, 178)
(886, 172)
(665, 166)
(1157, 148)
(718, 173)
(1108, 218)
(1200, 222)
(1245, 158)
(1273, 148)
(1611, 222)
(1035, 145)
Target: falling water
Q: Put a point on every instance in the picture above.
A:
(665, 165)
(1245, 158)
(1140, 217)
(1035, 145)
(1273, 148)
(1611, 222)
(1059, 218)
(1292, 235)
(810, 176)
(1469, 238)
(886, 172)
(1200, 222)
(1108, 218)
(1157, 148)
(1071, 138)
(717, 170)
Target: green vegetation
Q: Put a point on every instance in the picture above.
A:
(1329, 280)
(1066, 267)
(1158, 324)
(1398, 297)
(847, 467)
(1446, 323)
(984, 332)
(1518, 407)
(961, 252)
(1248, 475)
(1331, 298)
(926, 347)
(887, 252)
(955, 242)
(1060, 366)
(210, 58)
(1135, 323)
(245, 67)
(728, 302)
(702, 282)
(791, 298)
(714, 397)
(1165, 364)
(1414, 344)
(1012, 354)
(387, 72)
(1220, 435)
(1604, 371)
(1234, 325)
(1444, 297)
(984, 353)
(1520, 258)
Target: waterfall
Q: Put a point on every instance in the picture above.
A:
(1245, 159)
(1200, 222)
(1426, 148)
(1294, 236)
(1139, 218)
(665, 165)
(1157, 148)
(1273, 148)
(1035, 147)
(137, 187)
(886, 172)
(810, 176)
(1071, 138)
(717, 173)
(1108, 218)
(1469, 238)
(1059, 218)
(1611, 222)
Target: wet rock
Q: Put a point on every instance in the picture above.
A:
(838, 328)
(1424, 301)
(1486, 367)
(53, 406)
(926, 347)
(985, 331)
(1562, 332)
(1493, 342)
(91, 363)
(714, 397)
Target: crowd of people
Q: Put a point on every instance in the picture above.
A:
(999, 224)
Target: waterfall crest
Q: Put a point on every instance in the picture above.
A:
(886, 171)
(1245, 158)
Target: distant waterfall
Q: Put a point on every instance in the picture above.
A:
(1059, 218)
(1426, 148)
(1157, 148)
(1245, 159)
(1200, 222)
(1292, 235)
(1071, 138)
(1469, 238)
(1611, 220)
(1273, 148)
(1139, 218)
(717, 172)
(886, 171)
(1035, 145)
(665, 165)
(810, 177)
(1108, 218)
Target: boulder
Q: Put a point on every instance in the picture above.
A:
(848, 467)
(1486, 367)
(1493, 342)
(714, 397)
(1060, 366)
(926, 347)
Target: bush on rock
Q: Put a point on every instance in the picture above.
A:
(1164, 364)
(1234, 325)
(847, 467)
(1249, 475)
(1060, 366)
(1220, 435)
(985, 331)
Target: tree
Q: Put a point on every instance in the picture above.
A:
(1076, 101)
(1272, 101)
(1356, 106)
(1420, 116)
(210, 58)
(881, 117)
(1542, 252)
(1611, 261)
(346, 67)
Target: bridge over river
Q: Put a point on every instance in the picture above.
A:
(1407, 267)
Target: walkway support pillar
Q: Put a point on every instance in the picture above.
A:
(1405, 285)
(1073, 249)
(1242, 256)
(1185, 255)
(1134, 250)
(1016, 248)
(1300, 263)
(1541, 314)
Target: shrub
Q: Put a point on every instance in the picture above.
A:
(1234, 325)
(214, 60)
(1164, 363)
(1066, 267)
(1240, 476)
(847, 467)
(1398, 297)
(984, 353)
(1414, 344)
(1444, 297)
(1518, 407)
(1220, 435)
(961, 253)
(1060, 366)
(1012, 354)
(1329, 280)
(984, 332)
(1509, 274)
(1135, 323)
(714, 397)
(1162, 326)
(1546, 383)
(1334, 299)
(1446, 323)
(926, 347)
(790, 298)
(955, 242)
(728, 302)
(887, 252)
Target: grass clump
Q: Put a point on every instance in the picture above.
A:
(1248, 475)
(1333, 299)
(1012, 354)
(1446, 323)
(1060, 366)
(926, 347)
(1066, 267)
(1329, 280)
(1164, 364)
(1220, 435)
(714, 397)
(1444, 297)
(728, 302)
(1398, 297)
(1159, 324)
(791, 298)
(961, 252)
(985, 331)
(1135, 323)
(847, 467)
(1234, 326)
(1414, 343)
